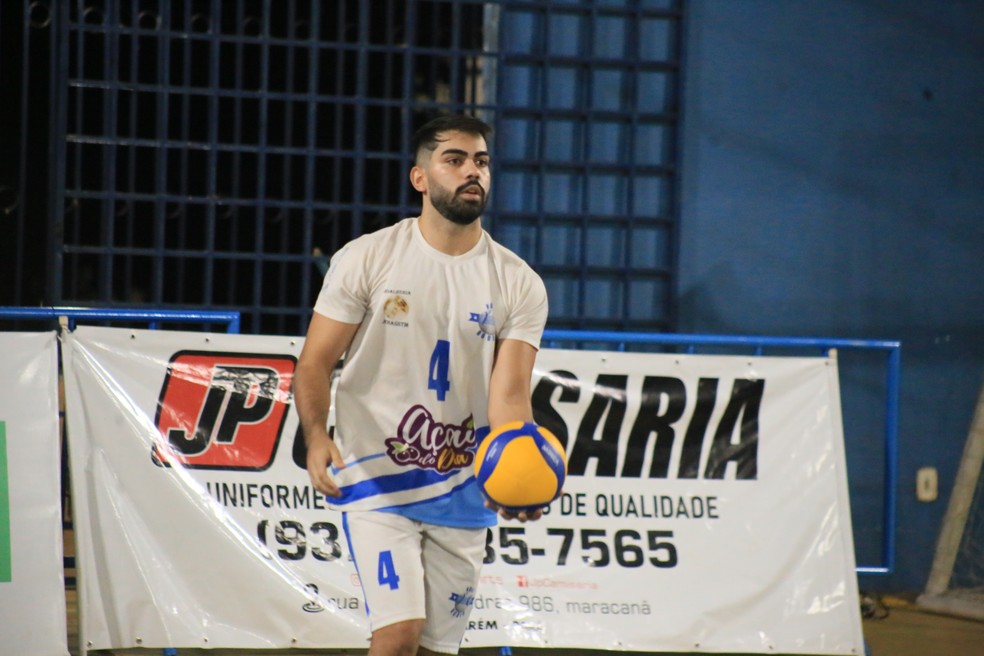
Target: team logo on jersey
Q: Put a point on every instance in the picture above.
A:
(485, 321)
(223, 410)
(422, 441)
(462, 601)
(395, 311)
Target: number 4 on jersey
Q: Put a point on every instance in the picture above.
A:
(437, 377)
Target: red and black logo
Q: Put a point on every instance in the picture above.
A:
(223, 410)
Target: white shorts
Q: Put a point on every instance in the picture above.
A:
(412, 570)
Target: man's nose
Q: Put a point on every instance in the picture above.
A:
(471, 170)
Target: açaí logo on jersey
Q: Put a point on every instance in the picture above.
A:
(425, 442)
(223, 410)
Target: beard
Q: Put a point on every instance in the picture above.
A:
(454, 208)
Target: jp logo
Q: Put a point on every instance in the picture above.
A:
(223, 410)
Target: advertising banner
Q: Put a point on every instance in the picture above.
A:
(32, 581)
(705, 508)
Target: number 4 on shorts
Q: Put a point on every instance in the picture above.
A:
(386, 571)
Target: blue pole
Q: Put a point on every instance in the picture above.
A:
(153, 317)
(892, 403)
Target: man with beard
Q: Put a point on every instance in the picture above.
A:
(440, 326)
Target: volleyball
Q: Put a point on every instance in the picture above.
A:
(520, 466)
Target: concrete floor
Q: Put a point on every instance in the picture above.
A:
(907, 630)
(904, 630)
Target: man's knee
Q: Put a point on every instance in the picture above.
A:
(400, 639)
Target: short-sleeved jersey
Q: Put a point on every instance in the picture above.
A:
(412, 400)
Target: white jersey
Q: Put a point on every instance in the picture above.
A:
(412, 400)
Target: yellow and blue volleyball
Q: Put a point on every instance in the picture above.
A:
(520, 466)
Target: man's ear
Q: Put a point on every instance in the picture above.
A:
(418, 179)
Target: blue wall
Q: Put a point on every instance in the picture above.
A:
(834, 186)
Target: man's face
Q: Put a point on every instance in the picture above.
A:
(458, 177)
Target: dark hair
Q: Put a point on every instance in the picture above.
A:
(426, 136)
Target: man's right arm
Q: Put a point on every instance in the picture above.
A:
(326, 341)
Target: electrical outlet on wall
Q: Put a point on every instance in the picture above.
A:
(927, 484)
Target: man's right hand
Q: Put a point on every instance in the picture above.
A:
(321, 454)
(326, 340)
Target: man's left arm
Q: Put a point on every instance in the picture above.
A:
(509, 389)
(509, 397)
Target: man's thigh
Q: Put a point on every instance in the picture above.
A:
(411, 570)
(452, 564)
(386, 549)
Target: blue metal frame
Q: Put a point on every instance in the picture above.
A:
(153, 317)
(618, 342)
(587, 196)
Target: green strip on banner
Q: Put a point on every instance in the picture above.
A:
(5, 572)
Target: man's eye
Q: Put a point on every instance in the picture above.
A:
(482, 162)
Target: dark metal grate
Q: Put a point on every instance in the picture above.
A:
(208, 154)
(589, 98)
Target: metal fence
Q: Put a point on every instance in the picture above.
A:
(875, 541)
(211, 154)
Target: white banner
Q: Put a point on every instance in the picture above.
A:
(706, 507)
(32, 581)
(705, 510)
(176, 556)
